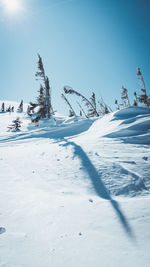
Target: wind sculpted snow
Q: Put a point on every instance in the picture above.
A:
(75, 191)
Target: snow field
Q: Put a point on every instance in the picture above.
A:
(72, 195)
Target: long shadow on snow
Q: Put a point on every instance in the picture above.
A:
(99, 185)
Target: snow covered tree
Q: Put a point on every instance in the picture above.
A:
(20, 108)
(124, 97)
(44, 99)
(91, 108)
(143, 97)
(16, 125)
(71, 111)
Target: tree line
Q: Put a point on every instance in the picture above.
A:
(42, 108)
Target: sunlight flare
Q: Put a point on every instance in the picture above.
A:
(12, 6)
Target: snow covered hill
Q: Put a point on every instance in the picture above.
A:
(76, 191)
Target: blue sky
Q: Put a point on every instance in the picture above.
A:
(90, 45)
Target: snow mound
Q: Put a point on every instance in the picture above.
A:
(134, 125)
(131, 125)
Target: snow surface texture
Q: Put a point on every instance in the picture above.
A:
(75, 192)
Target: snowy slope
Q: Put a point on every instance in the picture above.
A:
(75, 192)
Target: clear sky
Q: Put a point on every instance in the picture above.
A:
(91, 45)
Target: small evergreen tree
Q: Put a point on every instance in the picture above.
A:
(124, 97)
(8, 109)
(20, 108)
(143, 97)
(116, 103)
(135, 99)
(16, 125)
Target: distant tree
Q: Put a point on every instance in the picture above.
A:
(116, 103)
(71, 110)
(90, 106)
(143, 97)
(80, 113)
(20, 108)
(3, 107)
(124, 97)
(8, 109)
(135, 99)
(12, 109)
(16, 125)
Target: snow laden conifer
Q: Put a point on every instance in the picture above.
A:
(71, 111)
(43, 105)
(143, 97)
(20, 108)
(91, 108)
(16, 125)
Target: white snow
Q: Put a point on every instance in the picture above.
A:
(75, 192)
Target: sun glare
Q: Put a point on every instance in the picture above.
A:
(12, 6)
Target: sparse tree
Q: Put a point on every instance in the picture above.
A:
(16, 125)
(80, 113)
(135, 99)
(20, 108)
(116, 103)
(124, 97)
(143, 97)
(8, 109)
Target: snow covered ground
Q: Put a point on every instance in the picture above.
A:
(75, 191)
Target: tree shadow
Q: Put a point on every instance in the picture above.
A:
(98, 184)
